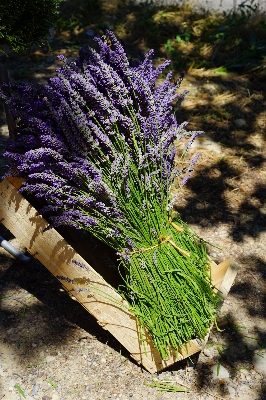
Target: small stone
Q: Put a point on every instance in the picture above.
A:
(219, 372)
(46, 398)
(34, 344)
(244, 388)
(90, 32)
(206, 142)
(11, 384)
(207, 352)
(103, 360)
(259, 362)
(55, 396)
(14, 337)
(49, 358)
(231, 391)
(35, 390)
(10, 331)
(239, 123)
(33, 371)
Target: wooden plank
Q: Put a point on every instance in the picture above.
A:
(103, 302)
(218, 272)
(16, 182)
(228, 279)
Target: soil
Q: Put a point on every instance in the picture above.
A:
(51, 348)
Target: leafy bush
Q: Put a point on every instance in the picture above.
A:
(23, 22)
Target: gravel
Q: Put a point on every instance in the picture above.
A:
(52, 349)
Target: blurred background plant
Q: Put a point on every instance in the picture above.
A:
(190, 36)
(23, 23)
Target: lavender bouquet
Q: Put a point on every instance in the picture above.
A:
(97, 143)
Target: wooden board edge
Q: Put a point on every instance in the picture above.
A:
(228, 279)
(225, 274)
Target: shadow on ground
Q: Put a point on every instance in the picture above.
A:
(228, 188)
(58, 314)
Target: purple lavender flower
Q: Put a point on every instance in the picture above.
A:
(66, 279)
(93, 137)
(82, 289)
(191, 140)
(188, 171)
(80, 264)
(75, 218)
(125, 256)
(96, 145)
(154, 258)
(132, 295)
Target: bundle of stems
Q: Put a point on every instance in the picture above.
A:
(97, 143)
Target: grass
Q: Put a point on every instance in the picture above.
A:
(228, 50)
(193, 45)
(165, 386)
(20, 391)
(54, 385)
(232, 41)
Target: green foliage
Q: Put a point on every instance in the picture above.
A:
(165, 386)
(191, 37)
(230, 41)
(20, 391)
(52, 384)
(222, 71)
(74, 17)
(24, 22)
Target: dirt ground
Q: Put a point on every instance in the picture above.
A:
(51, 348)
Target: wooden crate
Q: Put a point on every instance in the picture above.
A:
(112, 313)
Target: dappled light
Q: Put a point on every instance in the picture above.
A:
(224, 58)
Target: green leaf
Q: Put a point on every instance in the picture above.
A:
(221, 71)
(35, 365)
(165, 386)
(52, 384)
(74, 391)
(20, 391)
(240, 326)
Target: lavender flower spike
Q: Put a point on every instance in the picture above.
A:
(96, 146)
(80, 264)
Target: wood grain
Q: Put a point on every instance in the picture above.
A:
(103, 302)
